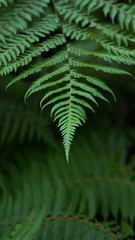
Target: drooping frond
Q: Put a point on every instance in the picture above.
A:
(64, 46)
(72, 115)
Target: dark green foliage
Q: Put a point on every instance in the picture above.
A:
(23, 123)
(80, 36)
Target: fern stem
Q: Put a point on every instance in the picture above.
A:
(98, 179)
(70, 77)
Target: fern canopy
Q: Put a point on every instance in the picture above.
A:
(46, 40)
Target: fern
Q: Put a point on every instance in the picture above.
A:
(47, 46)
(64, 202)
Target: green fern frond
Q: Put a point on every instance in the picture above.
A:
(69, 95)
(70, 118)
(70, 92)
(50, 51)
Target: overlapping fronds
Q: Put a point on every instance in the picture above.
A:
(17, 45)
(13, 20)
(50, 46)
(66, 201)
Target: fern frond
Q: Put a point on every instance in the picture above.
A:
(61, 75)
(69, 118)
(71, 93)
